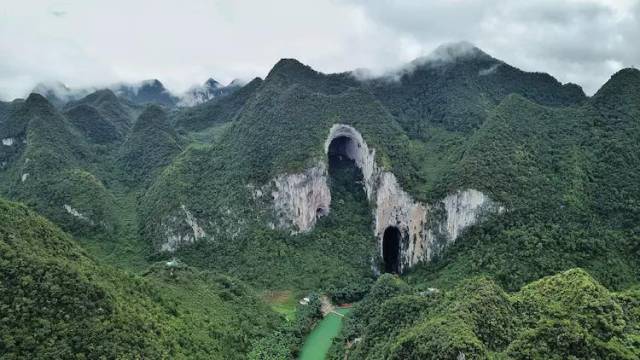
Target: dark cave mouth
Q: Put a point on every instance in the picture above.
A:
(342, 153)
(342, 148)
(391, 250)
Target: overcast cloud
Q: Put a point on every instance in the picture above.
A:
(91, 43)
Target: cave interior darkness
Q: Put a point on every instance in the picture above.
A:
(391, 250)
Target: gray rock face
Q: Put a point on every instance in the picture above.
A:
(77, 214)
(181, 229)
(394, 207)
(426, 229)
(299, 199)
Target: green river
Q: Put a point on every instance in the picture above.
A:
(317, 344)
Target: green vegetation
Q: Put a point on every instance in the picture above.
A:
(217, 111)
(569, 314)
(337, 253)
(283, 302)
(56, 302)
(119, 177)
(150, 146)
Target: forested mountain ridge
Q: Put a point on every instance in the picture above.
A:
(58, 302)
(139, 185)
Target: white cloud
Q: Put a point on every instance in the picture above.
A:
(90, 42)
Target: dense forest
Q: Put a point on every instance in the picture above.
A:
(133, 228)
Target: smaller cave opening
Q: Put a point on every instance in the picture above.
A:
(391, 250)
(320, 212)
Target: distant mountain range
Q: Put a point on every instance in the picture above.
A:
(145, 92)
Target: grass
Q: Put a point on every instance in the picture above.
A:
(281, 301)
(319, 341)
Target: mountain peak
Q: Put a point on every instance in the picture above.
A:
(289, 66)
(212, 83)
(35, 97)
(453, 52)
(153, 84)
(236, 82)
(103, 95)
(51, 87)
(458, 49)
(625, 76)
(39, 101)
(622, 87)
(147, 91)
(58, 93)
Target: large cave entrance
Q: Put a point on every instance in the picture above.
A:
(391, 250)
(350, 212)
(342, 148)
(343, 169)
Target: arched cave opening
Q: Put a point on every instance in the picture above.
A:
(342, 153)
(345, 174)
(349, 203)
(342, 148)
(391, 249)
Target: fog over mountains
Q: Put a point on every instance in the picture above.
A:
(147, 91)
(320, 179)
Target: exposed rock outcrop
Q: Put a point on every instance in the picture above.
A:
(77, 214)
(175, 232)
(394, 207)
(426, 229)
(464, 208)
(299, 199)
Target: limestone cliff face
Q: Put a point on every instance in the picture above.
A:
(299, 199)
(464, 208)
(394, 207)
(426, 229)
(180, 229)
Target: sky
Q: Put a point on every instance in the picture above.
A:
(90, 43)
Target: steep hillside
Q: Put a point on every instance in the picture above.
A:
(209, 90)
(57, 302)
(218, 110)
(214, 200)
(93, 124)
(568, 177)
(565, 315)
(146, 92)
(150, 146)
(50, 168)
(456, 87)
(116, 112)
